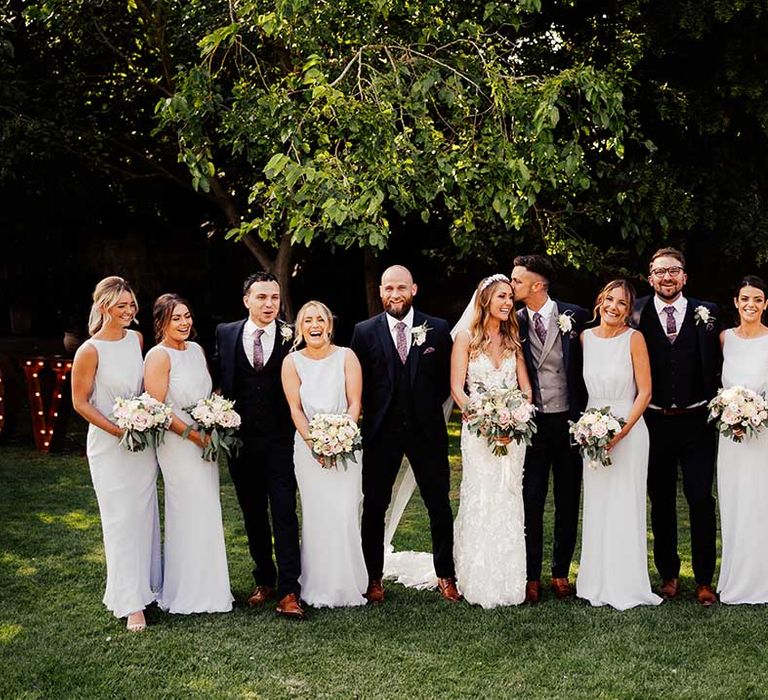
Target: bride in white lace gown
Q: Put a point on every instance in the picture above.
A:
(489, 537)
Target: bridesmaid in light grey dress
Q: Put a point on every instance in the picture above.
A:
(325, 378)
(195, 573)
(108, 366)
(742, 467)
(614, 549)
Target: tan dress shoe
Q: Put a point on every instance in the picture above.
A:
(562, 588)
(705, 595)
(260, 595)
(289, 606)
(447, 588)
(533, 592)
(375, 592)
(669, 588)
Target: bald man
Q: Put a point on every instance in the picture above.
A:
(406, 361)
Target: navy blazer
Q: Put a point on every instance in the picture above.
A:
(572, 354)
(707, 334)
(430, 372)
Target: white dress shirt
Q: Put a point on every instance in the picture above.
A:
(680, 305)
(408, 321)
(545, 312)
(267, 339)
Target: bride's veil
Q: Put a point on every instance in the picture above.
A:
(414, 569)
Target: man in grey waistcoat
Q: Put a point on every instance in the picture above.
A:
(549, 332)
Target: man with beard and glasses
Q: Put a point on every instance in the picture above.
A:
(405, 357)
(682, 338)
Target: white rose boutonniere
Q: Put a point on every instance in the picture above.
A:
(565, 322)
(703, 315)
(419, 334)
(286, 332)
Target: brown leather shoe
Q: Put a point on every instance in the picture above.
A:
(289, 606)
(260, 595)
(669, 588)
(375, 592)
(533, 592)
(705, 595)
(562, 588)
(447, 587)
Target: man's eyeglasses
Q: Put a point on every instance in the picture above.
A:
(659, 272)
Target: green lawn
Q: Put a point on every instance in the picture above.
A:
(57, 640)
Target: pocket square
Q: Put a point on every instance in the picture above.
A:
(428, 350)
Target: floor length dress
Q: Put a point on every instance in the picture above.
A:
(489, 531)
(742, 483)
(614, 550)
(125, 483)
(195, 573)
(333, 572)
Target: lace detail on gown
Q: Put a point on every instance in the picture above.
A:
(489, 533)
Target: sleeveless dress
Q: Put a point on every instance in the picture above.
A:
(614, 550)
(489, 531)
(125, 483)
(195, 573)
(742, 483)
(333, 572)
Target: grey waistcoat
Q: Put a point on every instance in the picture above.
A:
(552, 395)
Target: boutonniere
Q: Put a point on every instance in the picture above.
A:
(703, 315)
(419, 334)
(286, 332)
(565, 322)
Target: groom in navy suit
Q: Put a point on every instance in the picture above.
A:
(549, 332)
(406, 358)
(682, 335)
(249, 356)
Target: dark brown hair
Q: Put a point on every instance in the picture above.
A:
(539, 264)
(162, 312)
(669, 253)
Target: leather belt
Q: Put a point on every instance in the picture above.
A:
(677, 411)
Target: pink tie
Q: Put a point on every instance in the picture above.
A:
(538, 326)
(671, 325)
(258, 350)
(402, 346)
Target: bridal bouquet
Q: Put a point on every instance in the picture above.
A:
(144, 420)
(217, 419)
(500, 412)
(592, 433)
(334, 437)
(738, 412)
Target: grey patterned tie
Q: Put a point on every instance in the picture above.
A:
(671, 324)
(538, 326)
(258, 350)
(402, 345)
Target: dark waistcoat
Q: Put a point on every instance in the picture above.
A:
(400, 415)
(676, 371)
(259, 396)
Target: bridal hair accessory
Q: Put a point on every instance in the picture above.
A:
(488, 281)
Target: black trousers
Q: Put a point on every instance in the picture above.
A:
(264, 481)
(551, 447)
(691, 442)
(382, 457)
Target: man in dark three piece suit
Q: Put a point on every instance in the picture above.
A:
(549, 332)
(682, 335)
(249, 355)
(405, 357)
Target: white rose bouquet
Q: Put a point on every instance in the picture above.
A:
(738, 412)
(143, 419)
(217, 419)
(592, 433)
(499, 413)
(334, 437)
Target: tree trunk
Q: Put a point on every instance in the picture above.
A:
(371, 268)
(282, 270)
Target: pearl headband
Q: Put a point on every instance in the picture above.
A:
(488, 281)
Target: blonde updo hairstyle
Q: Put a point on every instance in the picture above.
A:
(325, 312)
(480, 337)
(105, 296)
(629, 293)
